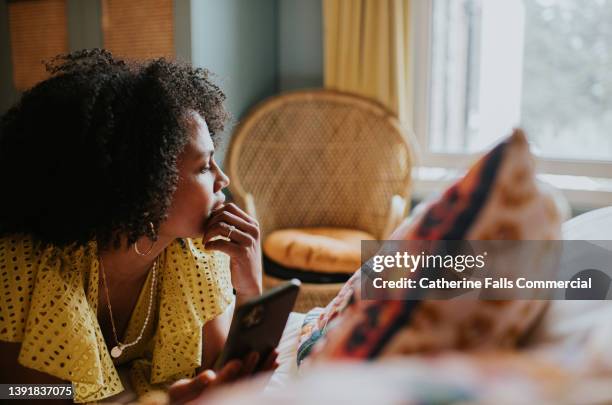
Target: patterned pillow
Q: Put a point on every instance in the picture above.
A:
(498, 199)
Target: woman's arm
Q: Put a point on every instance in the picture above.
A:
(214, 336)
(244, 249)
(11, 372)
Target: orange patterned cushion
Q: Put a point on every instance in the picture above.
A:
(497, 199)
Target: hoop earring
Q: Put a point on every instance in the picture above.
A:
(135, 245)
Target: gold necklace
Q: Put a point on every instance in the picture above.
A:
(117, 350)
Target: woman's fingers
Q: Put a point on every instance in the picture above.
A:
(236, 210)
(206, 377)
(243, 233)
(189, 388)
(229, 248)
(243, 247)
(230, 218)
(230, 372)
(250, 362)
(270, 362)
(224, 229)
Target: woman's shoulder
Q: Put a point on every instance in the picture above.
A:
(202, 276)
(17, 274)
(22, 251)
(47, 300)
(18, 270)
(31, 270)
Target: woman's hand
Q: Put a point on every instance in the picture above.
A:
(188, 389)
(243, 247)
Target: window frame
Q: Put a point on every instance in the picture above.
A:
(421, 26)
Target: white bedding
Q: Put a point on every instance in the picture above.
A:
(567, 361)
(287, 352)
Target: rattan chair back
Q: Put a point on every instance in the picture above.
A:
(320, 158)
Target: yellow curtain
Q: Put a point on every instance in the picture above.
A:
(366, 51)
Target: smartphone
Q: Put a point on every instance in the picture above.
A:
(258, 324)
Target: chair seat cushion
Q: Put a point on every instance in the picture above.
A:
(328, 250)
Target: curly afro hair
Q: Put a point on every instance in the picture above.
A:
(92, 151)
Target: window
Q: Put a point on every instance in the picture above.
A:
(485, 66)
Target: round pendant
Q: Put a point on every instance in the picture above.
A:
(116, 351)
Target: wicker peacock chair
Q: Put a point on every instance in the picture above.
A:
(321, 158)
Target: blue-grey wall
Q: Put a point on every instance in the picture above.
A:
(84, 29)
(182, 29)
(236, 39)
(258, 47)
(300, 44)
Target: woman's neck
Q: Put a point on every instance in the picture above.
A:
(124, 265)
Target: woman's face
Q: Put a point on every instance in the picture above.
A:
(199, 187)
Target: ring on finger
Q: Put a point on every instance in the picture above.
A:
(232, 228)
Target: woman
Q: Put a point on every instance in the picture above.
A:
(114, 235)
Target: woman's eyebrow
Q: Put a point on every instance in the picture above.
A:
(207, 154)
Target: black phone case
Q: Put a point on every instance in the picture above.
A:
(258, 324)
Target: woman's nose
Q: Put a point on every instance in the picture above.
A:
(222, 180)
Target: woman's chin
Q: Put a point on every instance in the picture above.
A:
(205, 223)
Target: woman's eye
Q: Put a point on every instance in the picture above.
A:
(205, 169)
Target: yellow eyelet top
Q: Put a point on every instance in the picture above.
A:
(49, 300)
